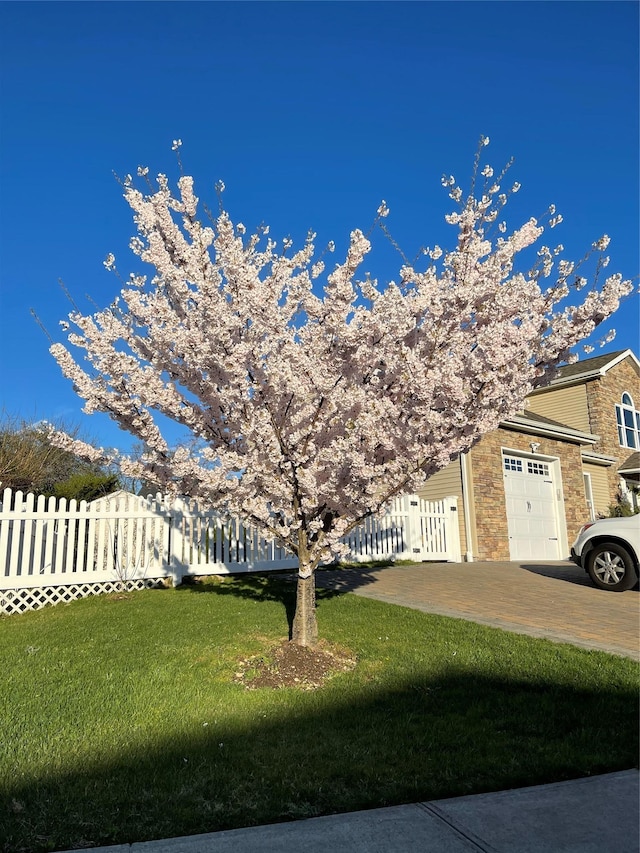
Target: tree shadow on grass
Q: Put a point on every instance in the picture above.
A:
(280, 586)
(421, 736)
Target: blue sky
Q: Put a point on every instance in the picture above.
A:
(311, 113)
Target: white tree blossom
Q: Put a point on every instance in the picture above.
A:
(314, 406)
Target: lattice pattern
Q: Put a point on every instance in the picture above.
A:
(20, 600)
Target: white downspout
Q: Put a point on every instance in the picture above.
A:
(466, 506)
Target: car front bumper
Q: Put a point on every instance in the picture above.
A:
(576, 559)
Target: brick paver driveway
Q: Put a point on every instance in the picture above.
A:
(552, 600)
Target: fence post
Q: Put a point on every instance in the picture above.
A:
(414, 528)
(178, 568)
(453, 544)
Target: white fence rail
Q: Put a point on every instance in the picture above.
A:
(54, 551)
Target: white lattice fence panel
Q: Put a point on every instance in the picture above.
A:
(21, 600)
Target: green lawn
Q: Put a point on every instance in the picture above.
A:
(120, 720)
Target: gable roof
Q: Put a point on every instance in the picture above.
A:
(591, 365)
(590, 368)
(631, 465)
(118, 495)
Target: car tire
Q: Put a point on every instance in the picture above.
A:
(611, 567)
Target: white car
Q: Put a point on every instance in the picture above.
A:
(609, 551)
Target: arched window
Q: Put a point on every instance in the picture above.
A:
(628, 419)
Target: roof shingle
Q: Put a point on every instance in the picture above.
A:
(588, 364)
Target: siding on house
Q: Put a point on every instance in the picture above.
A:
(599, 487)
(602, 396)
(583, 397)
(565, 405)
(590, 406)
(447, 483)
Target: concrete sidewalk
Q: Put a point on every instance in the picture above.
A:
(599, 814)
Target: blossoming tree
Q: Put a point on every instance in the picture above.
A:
(315, 404)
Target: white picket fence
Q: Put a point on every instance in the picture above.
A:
(52, 551)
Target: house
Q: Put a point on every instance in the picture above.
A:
(527, 487)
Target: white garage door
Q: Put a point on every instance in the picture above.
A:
(531, 509)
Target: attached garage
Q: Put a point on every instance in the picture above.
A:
(532, 508)
(521, 490)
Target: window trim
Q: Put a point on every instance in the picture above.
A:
(628, 433)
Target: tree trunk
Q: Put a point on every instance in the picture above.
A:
(305, 624)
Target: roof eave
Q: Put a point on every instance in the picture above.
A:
(524, 424)
(598, 458)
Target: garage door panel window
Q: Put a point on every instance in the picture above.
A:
(512, 463)
(540, 468)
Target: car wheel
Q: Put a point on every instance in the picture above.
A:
(611, 567)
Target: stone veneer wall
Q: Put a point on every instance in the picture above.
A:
(602, 396)
(488, 483)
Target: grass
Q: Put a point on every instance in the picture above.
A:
(121, 721)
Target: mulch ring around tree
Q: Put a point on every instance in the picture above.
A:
(290, 665)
